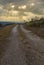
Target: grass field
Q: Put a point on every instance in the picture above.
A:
(4, 33)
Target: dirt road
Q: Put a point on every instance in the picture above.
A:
(29, 56)
(14, 54)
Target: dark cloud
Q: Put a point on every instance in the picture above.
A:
(14, 1)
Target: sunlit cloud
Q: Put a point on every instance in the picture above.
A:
(32, 4)
(1, 7)
(13, 13)
(24, 18)
(12, 6)
(22, 7)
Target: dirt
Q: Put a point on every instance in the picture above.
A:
(25, 48)
(14, 54)
(33, 47)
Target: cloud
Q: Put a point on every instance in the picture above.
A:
(13, 1)
(2, 11)
(21, 8)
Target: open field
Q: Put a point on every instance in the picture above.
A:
(4, 33)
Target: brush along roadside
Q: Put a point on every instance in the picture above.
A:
(39, 31)
(4, 34)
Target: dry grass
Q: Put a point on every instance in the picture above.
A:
(36, 30)
(4, 33)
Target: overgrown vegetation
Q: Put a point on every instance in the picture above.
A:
(4, 33)
(36, 23)
(36, 26)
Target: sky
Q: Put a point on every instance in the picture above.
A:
(20, 10)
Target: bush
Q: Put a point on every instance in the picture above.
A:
(36, 23)
(0, 25)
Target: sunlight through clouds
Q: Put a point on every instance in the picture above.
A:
(21, 9)
(13, 6)
(12, 12)
(32, 4)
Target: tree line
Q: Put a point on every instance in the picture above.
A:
(36, 22)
